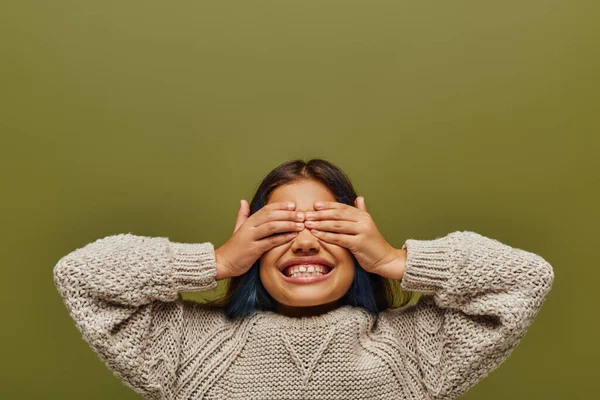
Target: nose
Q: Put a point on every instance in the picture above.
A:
(305, 242)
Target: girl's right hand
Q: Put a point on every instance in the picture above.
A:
(271, 226)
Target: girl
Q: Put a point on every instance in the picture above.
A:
(310, 311)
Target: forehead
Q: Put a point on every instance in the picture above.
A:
(304, 193)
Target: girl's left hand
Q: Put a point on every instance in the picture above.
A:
(354, 229)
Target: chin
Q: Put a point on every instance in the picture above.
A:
(307, 303)
(325, 293)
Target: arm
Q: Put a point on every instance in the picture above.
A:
(123, 293)
(479, 297)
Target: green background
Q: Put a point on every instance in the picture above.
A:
(157, 117)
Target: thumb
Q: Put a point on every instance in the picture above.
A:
(360, 203)
(242, 214)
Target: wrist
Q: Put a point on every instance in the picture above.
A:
(222, 270)
(395, 269)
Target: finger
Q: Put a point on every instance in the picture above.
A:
(322, 205)
(275, 211)
(275, 215)
(347, 213)
(269, 242)
(274, 227)
(242, 214)
(346, 227)
(340, 239)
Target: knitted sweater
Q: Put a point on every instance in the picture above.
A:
(478, 298)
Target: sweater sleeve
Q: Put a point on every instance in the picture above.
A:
(478, 298)
(122, 291)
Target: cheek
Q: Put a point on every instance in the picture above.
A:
(269, 255)
(270, 258)
(339, 252)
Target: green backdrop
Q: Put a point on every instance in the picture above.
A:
(157, 117)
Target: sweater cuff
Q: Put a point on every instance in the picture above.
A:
(431, 263)
(194, 266)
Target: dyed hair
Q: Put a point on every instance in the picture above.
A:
(246, 294)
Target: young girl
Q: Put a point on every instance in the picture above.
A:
(310, 308)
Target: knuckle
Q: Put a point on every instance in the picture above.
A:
(263, 246)
(349, 245)
(272, 227)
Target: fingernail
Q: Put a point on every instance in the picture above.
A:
(310, 215)
(319, 204)
(290, 206)
(300, 216)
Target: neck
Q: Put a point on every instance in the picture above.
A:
(309, 311)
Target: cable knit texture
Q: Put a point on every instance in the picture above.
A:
(478, 298)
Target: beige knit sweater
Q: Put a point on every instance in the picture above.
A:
(479, 297)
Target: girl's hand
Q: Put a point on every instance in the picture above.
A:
(354, 229)
(271, 226)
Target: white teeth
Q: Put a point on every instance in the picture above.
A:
(306, 270)
(306, 274)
